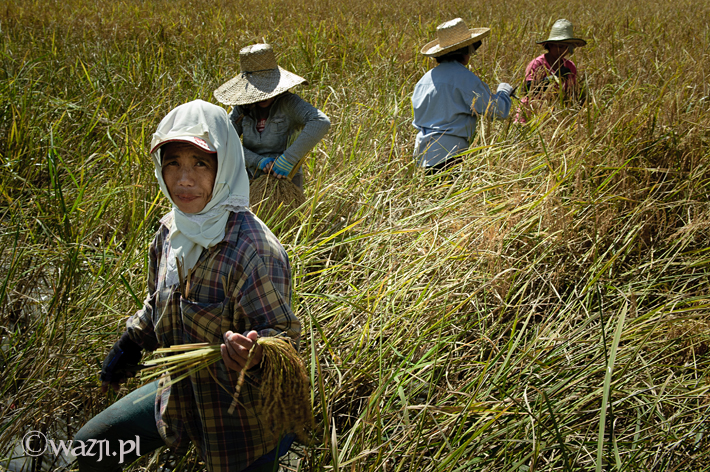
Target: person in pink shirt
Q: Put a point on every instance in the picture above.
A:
(552, 72)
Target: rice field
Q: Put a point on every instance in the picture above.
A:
(545, 306)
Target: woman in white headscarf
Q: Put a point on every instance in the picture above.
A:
(217, 275)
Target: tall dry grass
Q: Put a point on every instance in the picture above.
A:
(544, 306)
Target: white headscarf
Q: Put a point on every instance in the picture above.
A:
(191, 232)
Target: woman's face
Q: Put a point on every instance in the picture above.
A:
(189, 174)
(265, 103)
(557, 51)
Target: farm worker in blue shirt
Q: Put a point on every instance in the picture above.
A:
(449, 98)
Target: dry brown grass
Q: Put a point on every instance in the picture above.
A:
(463, 323)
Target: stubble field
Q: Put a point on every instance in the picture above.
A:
(545, 306)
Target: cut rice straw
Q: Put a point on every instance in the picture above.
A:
(197, 357)
(284, 386)
(192, 358)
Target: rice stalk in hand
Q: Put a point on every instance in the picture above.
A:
(285, 398)
(284, 387)
(192, 357)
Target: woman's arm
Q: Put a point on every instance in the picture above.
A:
(492, 105)
(263, 301)
(315, 125)
(139, 335)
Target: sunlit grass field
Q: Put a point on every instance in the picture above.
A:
(543, 306)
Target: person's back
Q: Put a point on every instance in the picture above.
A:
(448, 99)
(443, 97)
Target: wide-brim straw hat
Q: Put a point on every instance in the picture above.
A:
(260, 79)
(562, 32)
(453, 35)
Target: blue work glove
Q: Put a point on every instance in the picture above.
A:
(505, 88)
(121, 361)
(265, 162)
(282, 167)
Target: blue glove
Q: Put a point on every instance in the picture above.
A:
(265, 162)
(282, 167)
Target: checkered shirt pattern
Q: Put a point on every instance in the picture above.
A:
(241, 284)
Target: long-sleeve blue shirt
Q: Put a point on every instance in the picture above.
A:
(446, 97)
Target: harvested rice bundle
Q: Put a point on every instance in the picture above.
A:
(284, 390)
(270, 196)
(285, 399)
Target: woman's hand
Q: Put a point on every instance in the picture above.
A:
(281, 167)
(235, 350)
(120, 363)
(269, 169)
(266, 165)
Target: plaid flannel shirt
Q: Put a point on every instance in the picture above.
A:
(241, 284)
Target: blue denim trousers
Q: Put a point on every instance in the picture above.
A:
(111, 430)
(126, 430)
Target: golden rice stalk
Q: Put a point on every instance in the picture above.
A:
(284, 390)
(285, 398)
(192, 357)
(269, 196)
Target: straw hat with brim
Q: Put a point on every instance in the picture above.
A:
(453, 35)
(561, 32)
(260, 79)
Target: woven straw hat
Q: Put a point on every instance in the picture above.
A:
(561, 32)
(452, 35)
(260, 79)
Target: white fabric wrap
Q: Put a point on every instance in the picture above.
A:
(191, 232)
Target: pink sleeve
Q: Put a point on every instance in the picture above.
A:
(533, 66)
(572, 68)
